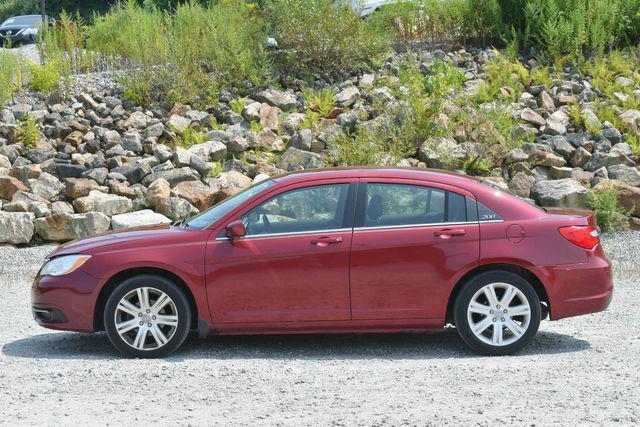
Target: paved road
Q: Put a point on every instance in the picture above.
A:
(584, 370)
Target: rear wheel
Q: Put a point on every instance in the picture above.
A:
(147, 316)
(497, 313)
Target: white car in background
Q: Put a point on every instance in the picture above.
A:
(366, 7)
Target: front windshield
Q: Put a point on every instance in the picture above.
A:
(208, 217)
(23, 21)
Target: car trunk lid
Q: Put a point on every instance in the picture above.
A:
(575, 216)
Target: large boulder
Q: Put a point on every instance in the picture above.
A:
(230, 183)
(63, 226)
(441, 153)
(176, 208)
(285, 101)
(347, 96)
(79, 187)
(16, 227)
(108, 204)
(157, 190)
(295, 159)
(563, 193)
(195, 192)
(627, 174)
(521, 184)
(178, 123)
(47, 186)
(605, 159)
(9, 186)
(137, 219)
(172, 176)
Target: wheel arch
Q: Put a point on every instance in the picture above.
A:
(116, 279)
(521, 271)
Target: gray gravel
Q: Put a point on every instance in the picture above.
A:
(577, 371)
(28, 51)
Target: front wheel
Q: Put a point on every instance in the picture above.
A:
(497, 313)
(147, 316)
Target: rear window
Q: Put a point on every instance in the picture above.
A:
(389, 205)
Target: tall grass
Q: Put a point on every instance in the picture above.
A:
(189, 51)
(323, 37)
(10, 76)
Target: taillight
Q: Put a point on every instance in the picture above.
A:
(584, 236)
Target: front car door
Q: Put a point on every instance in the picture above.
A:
(293, 264)
(411, 238)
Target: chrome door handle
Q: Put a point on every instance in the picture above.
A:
(324, 241)
(447, 233)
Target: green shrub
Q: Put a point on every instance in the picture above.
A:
(29, 132)
(44, 78)
(322, 37)
(190, 52)
(383, 144)
(321, 100)
(10, 76)
(604, 202)
(189, 137)
(502, 73)
(237, 105)
(578, 27)
(442, 78)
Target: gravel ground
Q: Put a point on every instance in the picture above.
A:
(28, 51)
(577, 371)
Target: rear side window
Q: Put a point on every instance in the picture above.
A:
(486, 214)
(403, 204)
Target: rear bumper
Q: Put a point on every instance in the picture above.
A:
(577, 289)
(65, 302)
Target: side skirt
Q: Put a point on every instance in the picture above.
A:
(329, 327)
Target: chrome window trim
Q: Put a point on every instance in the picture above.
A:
(383, 227)
(433, 224)
(298, 233)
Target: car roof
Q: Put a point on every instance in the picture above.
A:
(379, 172)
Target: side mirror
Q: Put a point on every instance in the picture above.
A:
(235, 229)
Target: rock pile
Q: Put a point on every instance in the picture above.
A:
(104, 163)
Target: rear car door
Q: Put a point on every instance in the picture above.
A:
(293, 264)
(411, 239)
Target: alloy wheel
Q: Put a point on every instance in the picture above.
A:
(499, 314)
(146, 318)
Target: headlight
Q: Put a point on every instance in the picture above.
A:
(63, 265)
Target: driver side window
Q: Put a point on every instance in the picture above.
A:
(316, 208)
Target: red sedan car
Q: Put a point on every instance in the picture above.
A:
(337, 250)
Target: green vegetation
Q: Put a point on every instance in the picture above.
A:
(189, 137)
(604, 202)
(505, 80)
(237, 105)
(320, 37)
(29, 132)
(190, 51)
(44, 78)
(10, 76)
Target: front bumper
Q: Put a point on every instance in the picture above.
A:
(65, 302)
(577, 289)
(20, 38)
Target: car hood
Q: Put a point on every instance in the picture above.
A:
(14, 27)
(93, 244)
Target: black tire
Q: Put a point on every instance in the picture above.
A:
(462, 304)
(179, 334)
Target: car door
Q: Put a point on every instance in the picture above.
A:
(293, 264)
(411, 239)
